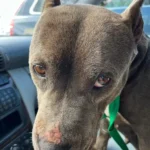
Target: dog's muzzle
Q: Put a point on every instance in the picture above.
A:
(44, 145)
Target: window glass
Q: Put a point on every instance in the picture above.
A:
(23, 15)
(38, 6)
(119, 3)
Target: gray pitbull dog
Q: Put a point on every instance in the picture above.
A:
(81, 58)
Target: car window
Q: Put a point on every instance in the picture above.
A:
(120, 3)
(119, 6)
(37, 7)
(24, 8)
(23, 15)
(115, 3)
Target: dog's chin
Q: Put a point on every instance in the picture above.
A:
(49, 146)
(43, 145)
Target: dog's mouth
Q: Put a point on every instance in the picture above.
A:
(50, 146)
(43, 145)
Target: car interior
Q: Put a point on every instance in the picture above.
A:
(18, 98)
(17, 95)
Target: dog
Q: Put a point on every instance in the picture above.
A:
(81, 58)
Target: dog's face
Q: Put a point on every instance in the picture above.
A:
(79, 61)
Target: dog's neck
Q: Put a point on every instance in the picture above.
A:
(136, 66)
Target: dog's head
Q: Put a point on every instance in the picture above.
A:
(79, 61)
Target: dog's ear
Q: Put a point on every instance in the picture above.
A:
(50, 3)
(133, 18)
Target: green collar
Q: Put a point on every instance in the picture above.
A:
(113, 111)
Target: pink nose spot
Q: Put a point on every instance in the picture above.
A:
(54, 135)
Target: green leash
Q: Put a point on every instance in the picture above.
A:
(113, 111)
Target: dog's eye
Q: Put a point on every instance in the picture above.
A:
(102, 81)
(40, 70)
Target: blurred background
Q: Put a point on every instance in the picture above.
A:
(18, 17)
